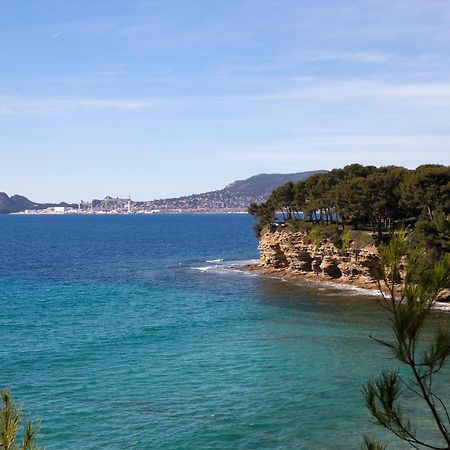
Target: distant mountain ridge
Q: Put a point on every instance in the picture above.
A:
(265, 183)
(237, 196)
(17, 203)
(14, 203)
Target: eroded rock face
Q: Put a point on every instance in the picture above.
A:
(444, 296)
(330, 267)
(282, 248)
(275, 257)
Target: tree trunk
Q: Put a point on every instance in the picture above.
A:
(379, 230)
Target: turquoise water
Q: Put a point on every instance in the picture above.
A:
(119, 332)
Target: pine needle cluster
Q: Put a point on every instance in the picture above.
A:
(11, 420)
(409, 294)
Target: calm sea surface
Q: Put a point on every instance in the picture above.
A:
(129, 332)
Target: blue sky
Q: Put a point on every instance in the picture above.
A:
(162, 98)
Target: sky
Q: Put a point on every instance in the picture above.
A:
(154, 99)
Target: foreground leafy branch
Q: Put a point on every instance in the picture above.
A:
(408, 294)
(10, 417)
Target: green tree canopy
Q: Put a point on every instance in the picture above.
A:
(382, 199)
(427, 190)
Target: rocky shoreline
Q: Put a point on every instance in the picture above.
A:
(290, 255)
(294, 254)
(301, 277)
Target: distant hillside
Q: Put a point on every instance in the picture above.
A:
(17, 203)
(265, 183)
(237, 196)
(14, 203)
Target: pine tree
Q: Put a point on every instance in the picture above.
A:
(408, 294)
(11, 419)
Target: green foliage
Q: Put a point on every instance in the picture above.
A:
(314, 237)
(300, 196)
(282, 199)
(345, 241)
(317, 234)
(372, 444)
(434, 235)
(265, 215)
(298, 225)
(330, 233)
(360, 239)
(355, 240)
(382, 199)
(11, 418)
(352, 201)
(381, 395)
(382, 189)
(427, 190)
(408, 293)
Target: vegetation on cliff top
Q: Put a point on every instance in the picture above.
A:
(379, 200)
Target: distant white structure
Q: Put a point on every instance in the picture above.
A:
(60, 209)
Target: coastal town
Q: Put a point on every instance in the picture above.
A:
(210, 202)
(234, 198)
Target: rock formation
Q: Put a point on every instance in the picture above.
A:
(293, 252)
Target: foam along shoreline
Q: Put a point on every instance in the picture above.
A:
(220, 265)
(313, 280)
(316, 281)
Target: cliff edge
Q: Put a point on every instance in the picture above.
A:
(294, 253)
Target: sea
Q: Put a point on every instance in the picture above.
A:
(141, 332)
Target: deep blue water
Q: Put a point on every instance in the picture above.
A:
(117, 333)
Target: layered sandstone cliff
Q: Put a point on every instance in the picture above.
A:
(295, 255)
(293, 252)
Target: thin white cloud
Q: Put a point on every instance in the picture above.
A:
(368, 57)
(337, 150)
(88, 26)
(429, 95)
(48, 106)
(433, 94)
(58, 33)
(338, 141)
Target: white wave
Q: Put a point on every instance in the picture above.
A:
(326, 287)
(243, 262)
(204, 268)
(356, 290)
(442, 306)
(218, 266)
(222, 268)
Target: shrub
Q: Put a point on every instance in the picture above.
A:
(297, 225)
(345, 241)
(330, 233)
